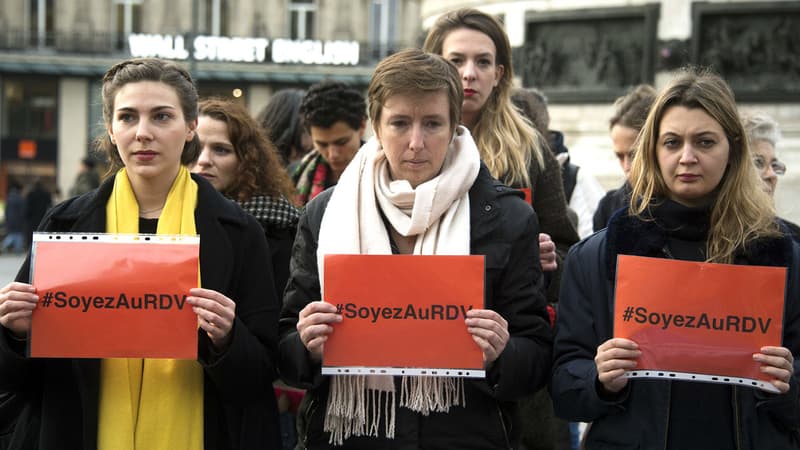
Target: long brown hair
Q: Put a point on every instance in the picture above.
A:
(507, 141)
(741, 211)
(260, 171)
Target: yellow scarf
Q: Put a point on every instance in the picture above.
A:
(151, 403)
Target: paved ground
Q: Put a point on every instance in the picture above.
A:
(9, 265)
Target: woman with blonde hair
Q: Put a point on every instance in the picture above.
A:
(509, 145)
(695, 197)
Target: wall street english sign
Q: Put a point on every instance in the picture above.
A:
(242, 49)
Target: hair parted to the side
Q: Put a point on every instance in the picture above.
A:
(328, 102)
(413, 72)
(741, 211)
(260, 171)
(631, 109)
(507, 141)
(147, 69)
(282, 121)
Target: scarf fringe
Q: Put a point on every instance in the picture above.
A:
(354, 409)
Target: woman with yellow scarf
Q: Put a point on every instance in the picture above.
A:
(224, 399)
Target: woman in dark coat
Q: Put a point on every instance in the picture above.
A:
(225, 400)
(415, 100)
(697, 198)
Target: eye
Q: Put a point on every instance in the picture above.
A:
(398, 123)
(456, 61)
(483, 62)
(222, 150)
(706, 143)
(162, 116)
(434, 124)
(125, 117)
(671, 143)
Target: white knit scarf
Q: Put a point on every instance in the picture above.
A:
(437, 212)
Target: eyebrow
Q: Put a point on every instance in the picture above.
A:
(157, 108)
(479, 55)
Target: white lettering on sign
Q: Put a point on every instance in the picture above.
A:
(315, 52)
(236, 49)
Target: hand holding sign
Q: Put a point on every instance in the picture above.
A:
(614, 357)
(17, 302)
(490, 331)
(779, 363)
(314, 326)
(215, 314)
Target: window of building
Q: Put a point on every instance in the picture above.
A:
(40, 17)
(383, 28)
(301, 19)
(127, 19)
(29, 108)
(214, 17)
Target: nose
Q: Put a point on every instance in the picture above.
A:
(143, 131)
(204, 159)
(627, 160)
(468, 71)
(417, 140)
(688, 155)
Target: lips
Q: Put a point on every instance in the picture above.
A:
(207, 175)
(688, 177)
(469, 92)
(145, 155)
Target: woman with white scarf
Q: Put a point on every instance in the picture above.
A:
(419, 187)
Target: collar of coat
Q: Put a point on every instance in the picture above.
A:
(85, 208)
(629, 235)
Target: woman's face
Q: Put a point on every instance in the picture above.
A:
(766, 163)
(218, 162)
(415, 132)
(149, 129)
(474, 54)
(623, 138)
(692, 152)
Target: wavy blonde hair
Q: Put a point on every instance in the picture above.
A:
(742, 211)
(507, 141)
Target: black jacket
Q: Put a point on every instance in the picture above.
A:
(239, 403)
(638, 417)
(504, 229)
(614, 200)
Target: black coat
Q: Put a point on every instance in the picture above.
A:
(613, 201)
(505, 230)
(239, 403)
(638, 416)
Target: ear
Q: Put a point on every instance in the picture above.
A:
(362, 129)
(192, 126)
(498, 74)
(111, 134)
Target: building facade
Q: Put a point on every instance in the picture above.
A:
(54, 52)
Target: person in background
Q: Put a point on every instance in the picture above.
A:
(37, 201)
(282, 122)
(384, 203)
(582, 190)
(240, 162)
(224, 398)
(763, 134)
(14, 220)
(86, 179)
(514, 151)
(630, 112)
(695, 197)
(335, 116)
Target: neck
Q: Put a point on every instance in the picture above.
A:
(405, 244)
(151, 194)
(469, 120)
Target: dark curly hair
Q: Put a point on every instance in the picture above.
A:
(260, 171)
(329, 102)
(281, 120)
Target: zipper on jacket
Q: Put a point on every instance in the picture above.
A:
(503, 424)
(312, 407)
(736, 423)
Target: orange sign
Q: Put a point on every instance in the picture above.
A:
(699, 321)
(403, 314)
(114, 296)
(26, 149)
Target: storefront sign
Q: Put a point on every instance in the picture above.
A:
(239, 49)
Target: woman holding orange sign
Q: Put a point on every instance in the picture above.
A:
(224, 398)
(696, 197)
(418, 187)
